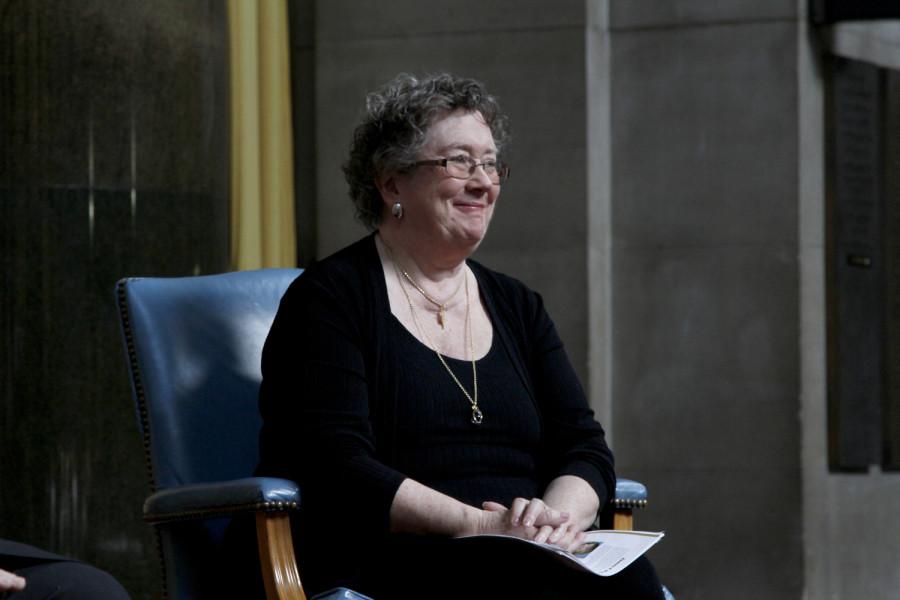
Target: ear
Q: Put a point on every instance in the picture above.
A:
(387, 185)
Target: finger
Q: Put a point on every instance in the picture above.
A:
(493, 506)
(516, 510)
(552, 517)
(10, 582)
(534, 510)
(567, 542)
(576, 544)
(543, 533)
(560, 534)
(527, 533)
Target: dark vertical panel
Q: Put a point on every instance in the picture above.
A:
(831, 11)
(114, 162)
(303, 80)
(856, 383)
(892, 265)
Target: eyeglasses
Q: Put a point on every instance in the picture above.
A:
(463, 167)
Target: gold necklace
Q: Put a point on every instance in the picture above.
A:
(440, 305)
(477, 415)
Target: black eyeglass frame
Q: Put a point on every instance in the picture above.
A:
(502, 169)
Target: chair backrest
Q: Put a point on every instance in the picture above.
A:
(194, 347)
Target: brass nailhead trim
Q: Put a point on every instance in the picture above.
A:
(142, 413)
(206, 513)
(626, 503)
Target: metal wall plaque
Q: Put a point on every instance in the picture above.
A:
(856, 266)
(891, 415)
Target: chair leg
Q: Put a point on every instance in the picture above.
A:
(623, 519)
(276, 557)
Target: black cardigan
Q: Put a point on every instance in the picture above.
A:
(330, 388)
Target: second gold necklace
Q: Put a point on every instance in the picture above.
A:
(477, 415)
(441, 305)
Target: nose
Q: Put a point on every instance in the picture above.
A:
(480, 176)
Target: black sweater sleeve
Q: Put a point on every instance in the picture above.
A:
(576, 443)
(573, 442)
(315, 405)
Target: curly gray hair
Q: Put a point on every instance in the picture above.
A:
(395, 124)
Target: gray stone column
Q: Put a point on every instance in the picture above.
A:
(705, 288)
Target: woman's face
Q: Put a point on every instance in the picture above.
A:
(454, 211)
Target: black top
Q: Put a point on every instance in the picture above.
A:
(437, 443)
(336, 407)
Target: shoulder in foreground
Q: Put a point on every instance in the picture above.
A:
(510, 288)
(344, 266)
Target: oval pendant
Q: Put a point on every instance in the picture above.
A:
(477, 417)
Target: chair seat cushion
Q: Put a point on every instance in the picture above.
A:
(630, 494)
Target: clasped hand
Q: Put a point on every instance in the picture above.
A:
(10, 582)
(532, 520)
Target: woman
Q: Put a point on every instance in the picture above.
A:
(417, 395)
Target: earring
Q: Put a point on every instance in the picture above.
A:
(397, 210)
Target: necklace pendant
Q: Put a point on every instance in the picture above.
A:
(477, 416)
(441, 317)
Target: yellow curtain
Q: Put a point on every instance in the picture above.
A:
(262, 179)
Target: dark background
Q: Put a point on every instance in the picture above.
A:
(113, 162)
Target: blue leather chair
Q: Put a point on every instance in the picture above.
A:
(194, 346)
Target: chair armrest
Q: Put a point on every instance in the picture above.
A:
(221, 499)
(630, 494)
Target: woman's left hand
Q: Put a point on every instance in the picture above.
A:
(536, 513)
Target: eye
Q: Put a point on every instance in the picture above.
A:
(462, 160)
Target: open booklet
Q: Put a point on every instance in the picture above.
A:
(605, 552)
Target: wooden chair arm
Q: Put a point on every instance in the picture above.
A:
(276, 557)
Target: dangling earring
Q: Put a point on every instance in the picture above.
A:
(397, 210)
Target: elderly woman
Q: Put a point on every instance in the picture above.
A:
(418, 396)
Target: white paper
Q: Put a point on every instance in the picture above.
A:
(605, 552)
